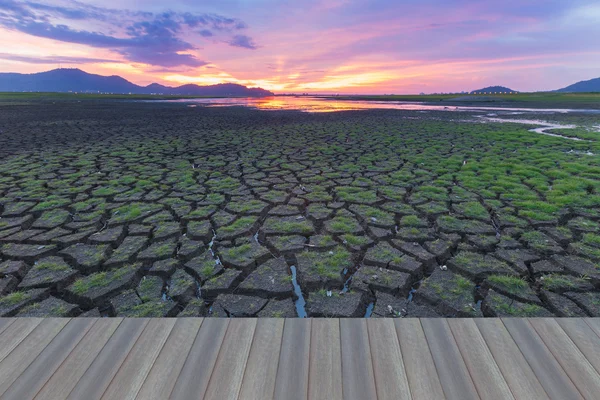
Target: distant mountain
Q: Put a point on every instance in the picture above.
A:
(593, 85)
(493, 89)
(76, 80)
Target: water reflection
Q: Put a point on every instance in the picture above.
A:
(322, 104)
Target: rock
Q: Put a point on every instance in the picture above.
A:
(287, 244)
(545, 266)
(580, 267)
(240, 306)
(416, 250)
(164, 268)
(388, 305)
(200, 230)
(189, 248)
(513, 287)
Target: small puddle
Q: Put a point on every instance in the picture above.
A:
(300, 303)
(546, 126)
(369, 311)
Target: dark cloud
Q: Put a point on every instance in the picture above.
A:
(52, 59)
(243, 41)
(152, 38)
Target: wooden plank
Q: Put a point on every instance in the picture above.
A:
(594, 323)
(5, 323)
(357, 367)
(388, 365)
(96, 379)
(15, 333)
(325, 365)
(72, 369)
(422, 375)
(23, 355)
(584, 338)
(231, 362)
(195, 374)
(484, 371)
(162, 377)
(572, 360)
(514, 367)
(548, 371)
(291, 382)
(42, 368)
(454, 375)
(129, 379)
(261, 368)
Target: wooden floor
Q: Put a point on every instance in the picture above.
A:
(326, 359)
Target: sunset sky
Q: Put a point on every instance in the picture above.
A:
(324, 46)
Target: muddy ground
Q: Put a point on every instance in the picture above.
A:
(140, 209)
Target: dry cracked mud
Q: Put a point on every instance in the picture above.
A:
(137, 209)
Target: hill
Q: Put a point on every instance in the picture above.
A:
(593, 85)
(76, 80)
(493, 89)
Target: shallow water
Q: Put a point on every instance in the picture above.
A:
(322, 104)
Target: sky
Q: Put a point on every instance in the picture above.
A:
(313, 46)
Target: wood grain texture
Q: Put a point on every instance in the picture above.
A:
(127, 382)
(292, 374)
(388, 365)
(231, 362)
(164, 373)
(584, 338)
(325, 371)
(41, 369)
(357, 367)
(516, 370)
(72, 369)
(99, 374)
(5, 323)
(548, 371)
(261, 368)
(454, 375)
(418, 361)
(484, 371)
(23, 355)
(195, 374)
(582, 373)
(15, 333)
(594, 323)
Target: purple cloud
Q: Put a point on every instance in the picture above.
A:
(243, 41)
(53, 59)
(151, 38)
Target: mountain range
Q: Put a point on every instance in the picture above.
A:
(76, 80)
(593, 85)
(493, 89)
